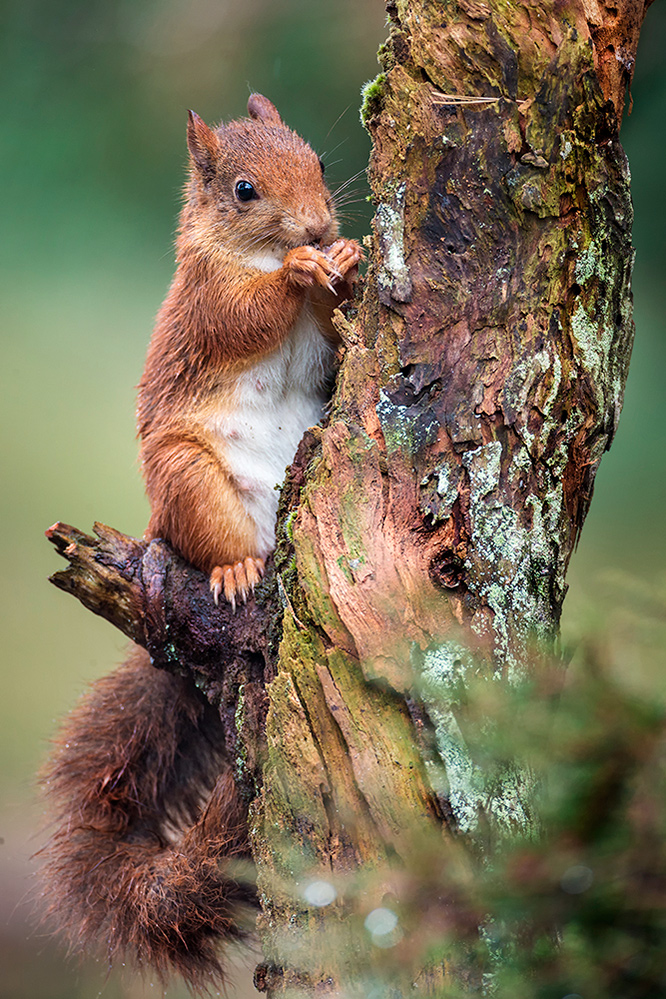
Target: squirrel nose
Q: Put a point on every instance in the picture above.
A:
(316, 229)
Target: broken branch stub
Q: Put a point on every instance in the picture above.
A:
(163, 604)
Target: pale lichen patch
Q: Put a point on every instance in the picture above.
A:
(445, 667)
(565, 149)
(394, 281)
(439, 491)
(483, 468)
(526, 380)
(404, 429)
(587, 264)
(512, 561)
(594, 340)
(448, 668)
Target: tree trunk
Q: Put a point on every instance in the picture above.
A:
(482, 381)
(426, 531)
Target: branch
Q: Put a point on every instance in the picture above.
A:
(162, 603)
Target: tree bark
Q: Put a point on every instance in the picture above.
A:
(483, 380)
(426, 530)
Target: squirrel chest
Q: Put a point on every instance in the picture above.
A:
(256, 417)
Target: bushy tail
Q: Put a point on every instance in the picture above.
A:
(145, 809)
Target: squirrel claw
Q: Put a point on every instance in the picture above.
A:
(254, 570)
(307, 267)
(237, 581)
(215, 587)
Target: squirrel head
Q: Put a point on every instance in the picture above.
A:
(255, 186)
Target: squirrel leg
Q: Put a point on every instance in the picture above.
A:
(199, 508)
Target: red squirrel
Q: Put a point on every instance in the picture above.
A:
(237, 368)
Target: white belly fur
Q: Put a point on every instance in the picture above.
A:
(275, 401)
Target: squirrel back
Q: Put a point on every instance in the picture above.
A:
(238, 367)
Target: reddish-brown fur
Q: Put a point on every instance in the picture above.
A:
(133, 764)
(221, 314)
(144, 801)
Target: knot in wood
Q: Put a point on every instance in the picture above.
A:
(267, 976)
(447, 569)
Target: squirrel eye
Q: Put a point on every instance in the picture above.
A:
(244, 190)
(323, 168)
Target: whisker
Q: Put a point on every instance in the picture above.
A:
(352, 192)
(341, 115)
(350, 201)
(346, 183)
(328, 153)
(349, 213)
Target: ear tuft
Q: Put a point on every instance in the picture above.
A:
(203, 146)
(261, 109)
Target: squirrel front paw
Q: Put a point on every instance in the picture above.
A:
(307, 266)
(237, 580)
(346, 254)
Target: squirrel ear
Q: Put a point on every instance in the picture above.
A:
(261, 109)
(202, 144)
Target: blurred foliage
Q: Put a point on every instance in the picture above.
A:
(92, 152)
(574, 905)
(96, 95)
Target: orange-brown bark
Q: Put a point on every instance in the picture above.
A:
(482, 381)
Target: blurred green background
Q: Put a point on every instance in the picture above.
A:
(94, 98)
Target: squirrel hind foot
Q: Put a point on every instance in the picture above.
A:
(236, 581)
